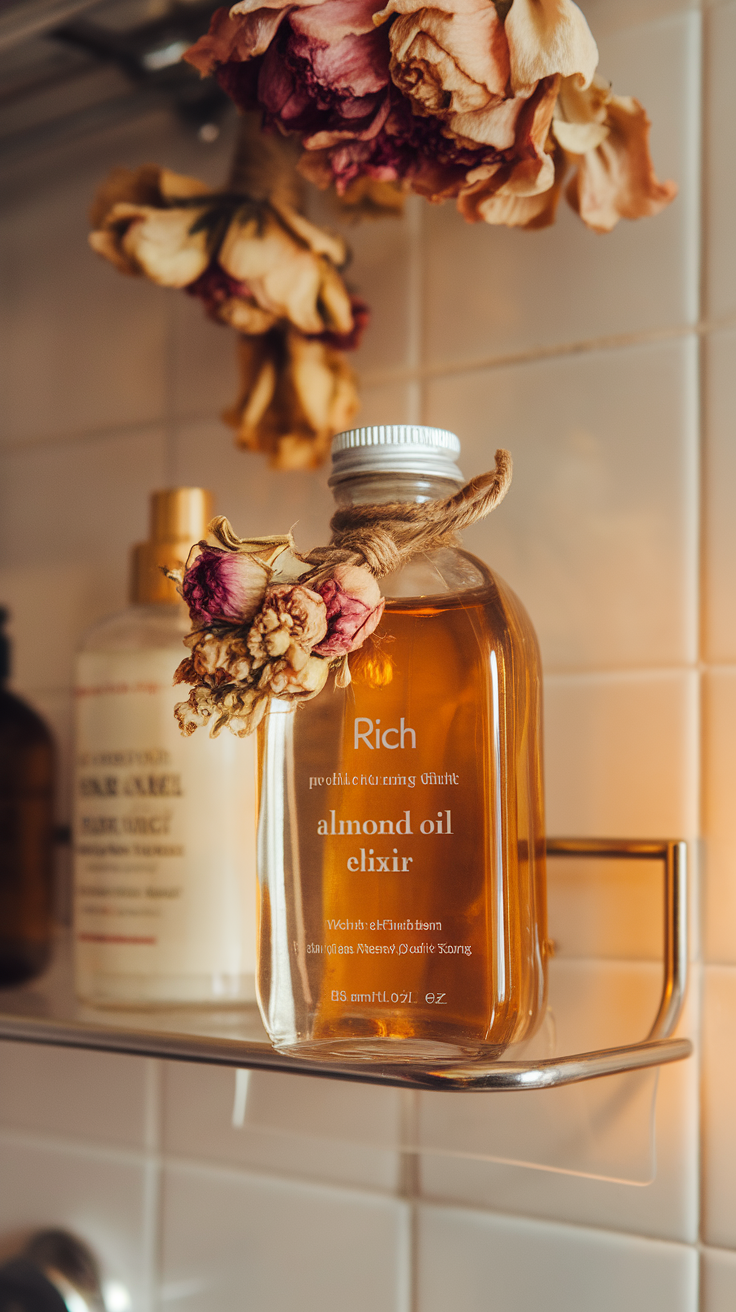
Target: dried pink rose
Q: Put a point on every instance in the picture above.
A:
(292, 620)
(354, 606)
(224, 585)
(449, 100)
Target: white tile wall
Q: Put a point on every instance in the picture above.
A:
(662, 1207)
(103, 1196)
(719, 465)
(597, 534)
(524, 291)
(481, 1261)
(238, 1241)
(719, 1130)
(718, 1280)
(328, 1132)
(720, 186)
(601, 365)
(719, 762)
(92, 1096)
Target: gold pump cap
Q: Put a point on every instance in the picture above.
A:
(179, 518)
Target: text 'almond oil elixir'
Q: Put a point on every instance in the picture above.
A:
(402, 909)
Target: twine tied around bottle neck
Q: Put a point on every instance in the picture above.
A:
(385, 536)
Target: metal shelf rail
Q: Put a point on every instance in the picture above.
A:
(40, 1014)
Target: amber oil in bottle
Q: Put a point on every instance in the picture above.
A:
(401, 852)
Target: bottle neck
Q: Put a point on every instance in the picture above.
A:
(377, 488)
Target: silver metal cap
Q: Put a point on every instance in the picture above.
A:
(395, 448)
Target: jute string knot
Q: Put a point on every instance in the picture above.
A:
(385, 536)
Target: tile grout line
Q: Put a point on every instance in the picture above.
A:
(408, 1300)
(415, 299)
(152, 1198)
(586, 346)
(700, 619)
(406, 374)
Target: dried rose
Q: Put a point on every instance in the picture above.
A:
(289, 267)
(238, 709)
(153, 237)
(220, 654)
(615, 178)
(322, 68)
(283, 679)
(224, 585)
(252, 263)
(241, 709)
(292, 620)
(248, 716)
(547, 37)
(354, 607)
(449, 63)
(296, 393)
(451, 100)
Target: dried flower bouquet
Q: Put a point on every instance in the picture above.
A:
(269, 623)
(262, 268)
(490, 102)
(259, 634)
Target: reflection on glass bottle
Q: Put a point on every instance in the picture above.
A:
(26, 833)
(401, 849)
(164, 860)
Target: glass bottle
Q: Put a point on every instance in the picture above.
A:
(401, 856)
(26, 833)
(164, 825)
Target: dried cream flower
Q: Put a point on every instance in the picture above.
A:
(292, 620)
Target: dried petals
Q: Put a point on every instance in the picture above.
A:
(286, 277)
(223, 585)
(292, 621)
(547, 37)
(296, 393)
(136, 230)
(284, 647)
(579, 120)
(167, 246)
(449, 64)
(253, 264)
(354, 606)
(261, 268)
(298, 684)
(235, 36)
(616, 180)
(221, 655)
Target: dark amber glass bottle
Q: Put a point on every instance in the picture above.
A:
(26, 833)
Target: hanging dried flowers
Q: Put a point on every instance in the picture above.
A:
(296, 393)
(269, 623)
(490, 102)
(263, 269)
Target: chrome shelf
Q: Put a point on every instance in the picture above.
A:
(46, 1011)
